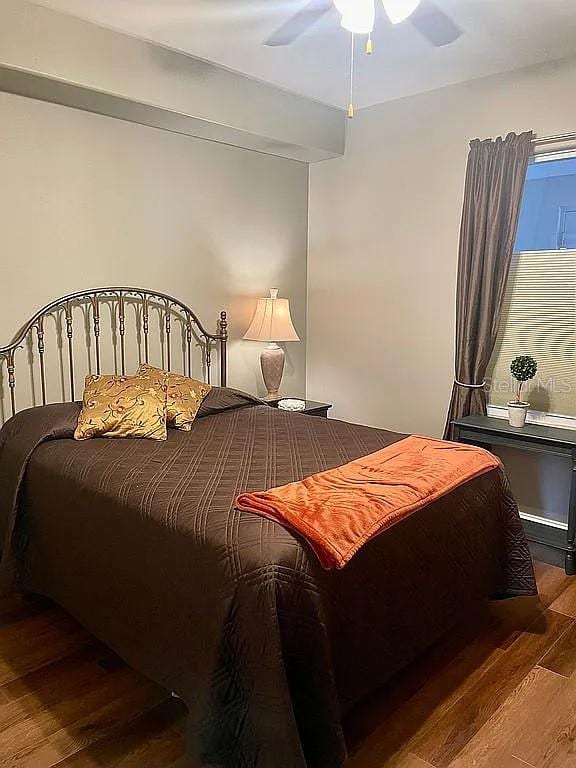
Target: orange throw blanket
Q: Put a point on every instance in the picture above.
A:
(339, 510)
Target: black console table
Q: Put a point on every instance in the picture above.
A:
(487, 431)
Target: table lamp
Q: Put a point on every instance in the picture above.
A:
(272, 323)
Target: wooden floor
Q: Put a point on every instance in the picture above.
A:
(498, 692)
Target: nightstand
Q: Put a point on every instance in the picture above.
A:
(312, 407)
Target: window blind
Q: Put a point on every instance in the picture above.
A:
(538, 319)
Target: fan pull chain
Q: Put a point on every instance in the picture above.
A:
(369, 48)
(351, 104)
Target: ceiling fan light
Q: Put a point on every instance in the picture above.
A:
(399, 10)
(359, 16)
(343, 6)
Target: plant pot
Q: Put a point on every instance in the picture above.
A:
(517, 414)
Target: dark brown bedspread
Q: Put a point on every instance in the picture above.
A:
(140, 541)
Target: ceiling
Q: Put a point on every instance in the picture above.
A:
(500, 35)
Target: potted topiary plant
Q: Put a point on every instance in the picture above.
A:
(523, 369)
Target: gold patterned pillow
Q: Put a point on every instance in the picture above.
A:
(122, 406)
(183, 395)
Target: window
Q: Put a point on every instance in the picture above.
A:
(539, 313)
(567, 227)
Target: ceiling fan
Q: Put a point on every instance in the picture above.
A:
(358, 17)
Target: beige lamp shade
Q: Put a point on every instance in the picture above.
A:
(272, 321)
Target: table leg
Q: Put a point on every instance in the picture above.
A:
(570, 563)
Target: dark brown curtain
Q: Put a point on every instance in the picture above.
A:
(495, 178)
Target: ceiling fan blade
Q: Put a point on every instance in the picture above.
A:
(435, 25)
(299, 23)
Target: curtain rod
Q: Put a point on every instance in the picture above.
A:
(559, 139)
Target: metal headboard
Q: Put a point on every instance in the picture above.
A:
(91, 302)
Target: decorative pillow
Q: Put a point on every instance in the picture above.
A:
(183, 395)
(122, 406)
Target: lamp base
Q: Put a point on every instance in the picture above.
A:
(272, 364)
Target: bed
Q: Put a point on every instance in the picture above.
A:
(141, 542)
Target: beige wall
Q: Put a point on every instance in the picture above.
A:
(57, 57)
(87, 201)
(384, 224)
